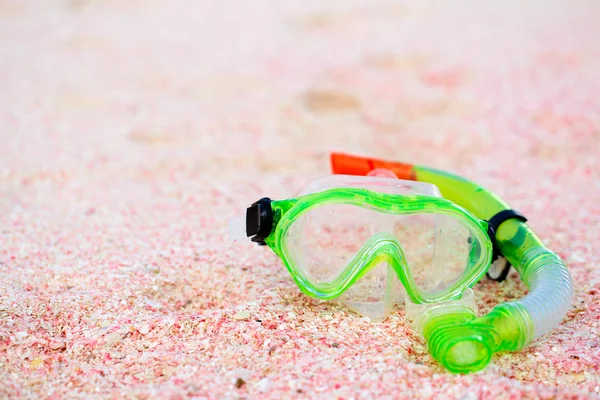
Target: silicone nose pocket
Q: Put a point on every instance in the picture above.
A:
(376, 293)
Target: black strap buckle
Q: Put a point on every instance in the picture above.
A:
(259, 220)
(493, 225)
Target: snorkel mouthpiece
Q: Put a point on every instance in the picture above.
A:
(459, 340)
(463, 343)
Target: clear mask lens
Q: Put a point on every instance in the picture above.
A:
(437, 249)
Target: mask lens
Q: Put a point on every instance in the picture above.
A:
(324, 239)
(438, 249)
(442, 254)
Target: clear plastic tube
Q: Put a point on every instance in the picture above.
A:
(551, 290)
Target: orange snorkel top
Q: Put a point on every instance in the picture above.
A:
(354, 165)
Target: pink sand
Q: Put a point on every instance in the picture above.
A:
(131, 130)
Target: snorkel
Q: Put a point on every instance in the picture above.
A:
(455, 336)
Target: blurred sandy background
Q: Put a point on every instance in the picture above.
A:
(131, 130)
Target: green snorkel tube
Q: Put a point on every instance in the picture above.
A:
(456, 337)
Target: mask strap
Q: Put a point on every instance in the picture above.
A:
(493, 225)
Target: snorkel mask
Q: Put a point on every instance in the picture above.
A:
(383, 233)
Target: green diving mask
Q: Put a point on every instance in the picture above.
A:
(370, 241)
